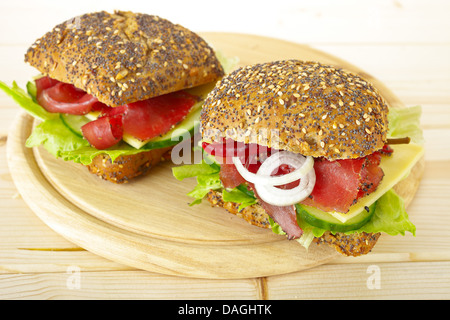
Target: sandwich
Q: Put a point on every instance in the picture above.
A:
(113, 88)
(308, 150)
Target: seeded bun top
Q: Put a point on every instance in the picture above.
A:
(302, 107)
(124, 57)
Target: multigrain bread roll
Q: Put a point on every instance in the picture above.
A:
(122, 59)
(315, 110)
(303, 148)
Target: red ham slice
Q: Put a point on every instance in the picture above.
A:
(286, 217)
(229, 176)
(337, 184)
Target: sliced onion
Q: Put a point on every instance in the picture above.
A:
(286, 197)
(265, 183)
(263, 176)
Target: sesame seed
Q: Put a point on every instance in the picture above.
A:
(368, 131)
(358, 122)
(281, 101)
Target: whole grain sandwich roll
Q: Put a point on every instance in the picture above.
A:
(312, 109)
(304, 148)
(118, 85)
(124, 57)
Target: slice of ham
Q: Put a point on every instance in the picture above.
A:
(229, 176)
(340, 183)
(371, 175)
(337, 184)
(286, 217)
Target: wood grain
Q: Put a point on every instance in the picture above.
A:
(147, 224)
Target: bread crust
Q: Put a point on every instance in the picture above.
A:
(355, 244)
(128, 167)
(302, 107)
(124, 57)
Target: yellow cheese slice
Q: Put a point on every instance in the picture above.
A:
(395, 167)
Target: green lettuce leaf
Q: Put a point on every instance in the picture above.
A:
(55, 137)
(208, 178)
(27, 102)
(193, 170)
(240, 195)
(390, 216)
(405, 122)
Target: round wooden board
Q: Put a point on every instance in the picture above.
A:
(148, 223)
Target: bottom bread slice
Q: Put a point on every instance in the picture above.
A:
(355, 244)
(128, 167)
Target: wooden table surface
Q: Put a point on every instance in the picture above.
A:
(404, 44)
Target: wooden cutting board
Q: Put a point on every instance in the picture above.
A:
(148, 223)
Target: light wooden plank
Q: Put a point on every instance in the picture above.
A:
(54, 259)
(403, 43)
(402, 280)
(414, 72)
(78, 284)
(321, 21)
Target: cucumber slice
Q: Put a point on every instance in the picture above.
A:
(189, 124)
(324, 220)
(74, 122)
